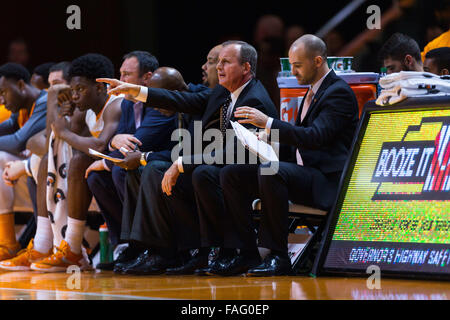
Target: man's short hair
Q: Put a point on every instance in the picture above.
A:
(314, 46)
(43, 70)
(15, 71)
(247, 54)
(441, 57)
(92, 66)
(398, 46)
(147, 61)
(64, 67)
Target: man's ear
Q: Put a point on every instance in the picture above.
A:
(247, 67)
(318, 61)
(21, 85)
(100, 87)
(445, 72)
(409, 60)
(146, 77)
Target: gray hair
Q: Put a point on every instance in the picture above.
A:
(247, 54)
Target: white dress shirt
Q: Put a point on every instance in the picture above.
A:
(315, 87)
(143, 94)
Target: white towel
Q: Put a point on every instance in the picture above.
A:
(391, 80)
(59, 155)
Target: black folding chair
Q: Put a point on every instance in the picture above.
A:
(314, 219)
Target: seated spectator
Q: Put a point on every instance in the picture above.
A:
(442, 14)
(18, 52)
(437, 61)
(29, 107)
(401, 53)
(39, 78)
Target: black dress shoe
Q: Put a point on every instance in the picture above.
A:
(273, 265)
(126, 255)
(121, 266)
(234, 266)
(189, 267)
(213, 257)
(151, 265)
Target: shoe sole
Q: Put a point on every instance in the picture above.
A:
(21, 268)
(49, 270)
(57, 269)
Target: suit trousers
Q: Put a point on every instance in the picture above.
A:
(210, 204)
(108, 189)
(160, 221)
(242, 184)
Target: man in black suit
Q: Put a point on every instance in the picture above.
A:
(236, 71)
(320, 142)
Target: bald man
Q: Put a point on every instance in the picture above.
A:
(149, 131)
(319, 144)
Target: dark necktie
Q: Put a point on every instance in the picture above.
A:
(224, 115)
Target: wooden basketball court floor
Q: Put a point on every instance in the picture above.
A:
(108, 286)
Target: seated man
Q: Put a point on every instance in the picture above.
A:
(437, 61)
(37, 143)
(133, 220)
(236, 71)
(400, 53)
(320, 143)
(86, 100)
(29, 107)
(39, 78)
(139, 127)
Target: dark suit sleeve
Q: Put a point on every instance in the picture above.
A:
(123, 123)
(185, 102)
(114, 154)
(156, 131)
(336, 113)
(191, 162)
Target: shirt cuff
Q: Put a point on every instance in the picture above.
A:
(180, 164)
(269, 125)
(26, 163)
(143, 93)
(105, 166)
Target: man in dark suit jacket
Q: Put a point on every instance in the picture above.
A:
(236, 70)
(320, 142)
(145, 127)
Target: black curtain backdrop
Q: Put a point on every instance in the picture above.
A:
(179, 33)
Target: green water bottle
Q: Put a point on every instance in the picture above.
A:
(106, 251)
(383, 71)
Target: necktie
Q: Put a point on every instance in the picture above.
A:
(306, 105)
(137, 113)
(223, 116)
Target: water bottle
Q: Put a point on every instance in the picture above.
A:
(382, 74)
(106, 252)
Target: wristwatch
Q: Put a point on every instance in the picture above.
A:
(143, 159)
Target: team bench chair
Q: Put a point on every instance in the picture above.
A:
(299, 215)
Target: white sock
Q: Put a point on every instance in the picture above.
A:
(74, 234)
(43, 241)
